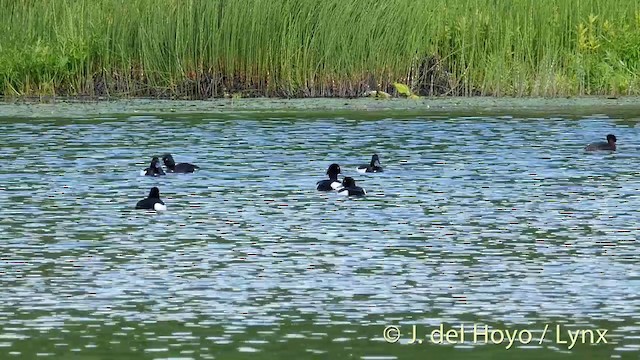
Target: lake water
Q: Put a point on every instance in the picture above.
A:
(501, 221)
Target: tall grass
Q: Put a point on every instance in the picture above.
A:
(296, 48)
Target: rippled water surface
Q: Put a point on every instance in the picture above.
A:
(500, 221)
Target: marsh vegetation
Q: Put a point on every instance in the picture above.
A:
(306, 48)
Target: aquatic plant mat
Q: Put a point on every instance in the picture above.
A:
(73, 108)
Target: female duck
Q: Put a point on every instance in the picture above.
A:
(154, 169)
(332, 183)
(374, 165)
(610, 145)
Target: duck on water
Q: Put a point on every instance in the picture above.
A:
(152, 202)
(374, 165)
(610, 145)
(332, 183)
(154, 168)
(172, 167)
(349, 188)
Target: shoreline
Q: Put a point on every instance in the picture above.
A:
(74, 107)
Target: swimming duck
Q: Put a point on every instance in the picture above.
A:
(349, 188)
(332, 183)
(154, 168)
(374, 165)
(610, 145)
(152, 202)
(177, 168)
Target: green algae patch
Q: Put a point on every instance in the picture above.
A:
(464, 106)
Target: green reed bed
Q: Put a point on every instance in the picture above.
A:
(303, 48)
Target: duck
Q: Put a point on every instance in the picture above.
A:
(152, 202)
(154, 168)
(172, 167)
(373, 167)
(610, 145)
(332, 183)
(349, 188)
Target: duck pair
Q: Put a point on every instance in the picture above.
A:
(346, 187)
(155, 169)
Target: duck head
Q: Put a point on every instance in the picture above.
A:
(154, 193)
(168, 161)
(348, 182)
(333, 171)
(611, 140)
(155, 163)
(375, 161)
